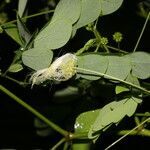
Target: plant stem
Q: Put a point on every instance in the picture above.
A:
(14, 80)
(88, 45)
(116, 49)
(33, 111)
(30, 16)
(114, 78)
(137, 120)
(58, 144)
(147, 114)
(79, 136)
(143, 29)
(98, 37)
(143, 132)
(128, 133)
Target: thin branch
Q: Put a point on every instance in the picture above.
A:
(117, 49)
(14, 80)
(114, 78)
(143, 29)
(147, 114)
(34, 111)
(58, 144)
(143, 132)
(30, 16)
(127, 133)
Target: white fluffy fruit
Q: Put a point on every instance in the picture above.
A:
(61, 69)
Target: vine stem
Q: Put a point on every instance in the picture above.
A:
(30, 16)
(34, 111)
(147, 114)
(113, 78)
(143, 29)
(58, 144)
(143, 132)
(117, 49)
(14, 80)
(127, 133)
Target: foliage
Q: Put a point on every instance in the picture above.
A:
(120, 71)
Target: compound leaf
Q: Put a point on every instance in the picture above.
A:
(113, 113)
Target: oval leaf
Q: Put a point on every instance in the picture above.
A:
(140, 64)
(118, 67)
(109, 6)
(90, 11)
(68, 9)
(37, 58)
(93, 62)
(85, 120)
(15, 68)
(54, 35)
(12, 31)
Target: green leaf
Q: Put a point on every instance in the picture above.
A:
(21, 7)
(132, 79)
(118, 67)
(94, 62)
(109, 6)
(67, 10)
(12, 31)
(138, 100)
(23, 31)
(119, 89)
(37, 58)
(85, 120)
(54, 35)
(140, 64)
(113, 113)
(15, 68)
(90, 12)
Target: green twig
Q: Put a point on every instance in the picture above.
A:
(79, 136)
(30, 16)
(128, 133)
(66, 145)
(88, 45)
(116, 49)
(143, 132)
(143, 29)
(147, 114)
(98, 37)
(58, 144)
(34, 111)
(14, 80)
(114, 78)
(137, 120)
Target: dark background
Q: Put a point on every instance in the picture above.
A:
(16, 123)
